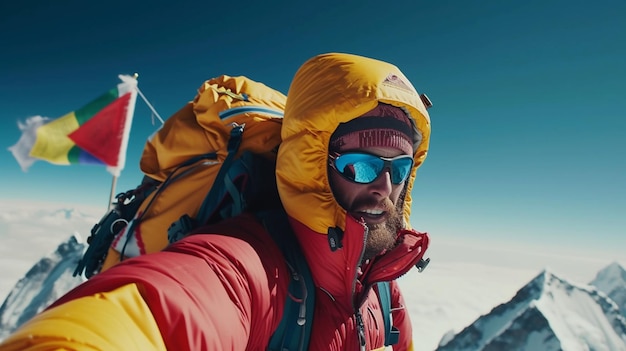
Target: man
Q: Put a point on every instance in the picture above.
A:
(354, 133)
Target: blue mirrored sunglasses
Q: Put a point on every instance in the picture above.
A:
(365, 168)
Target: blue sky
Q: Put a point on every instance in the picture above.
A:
(528, 121)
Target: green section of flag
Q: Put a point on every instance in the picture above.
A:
(86, 112)
(73, 156)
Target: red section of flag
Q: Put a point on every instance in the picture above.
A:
(102, 134)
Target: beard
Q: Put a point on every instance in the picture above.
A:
(383, 236)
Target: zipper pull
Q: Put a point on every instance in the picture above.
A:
(361, 328)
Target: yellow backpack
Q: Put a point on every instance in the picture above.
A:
(232, 125)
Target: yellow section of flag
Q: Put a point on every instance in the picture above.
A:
(52, 143)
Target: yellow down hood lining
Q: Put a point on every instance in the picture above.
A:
(328, 90)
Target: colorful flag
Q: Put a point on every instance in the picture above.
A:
(96, 133)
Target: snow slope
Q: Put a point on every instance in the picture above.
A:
(45, 282)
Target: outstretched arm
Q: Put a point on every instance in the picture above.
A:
(116, 320)
(204, 292)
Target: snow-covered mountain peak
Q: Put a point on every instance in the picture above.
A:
(547, 280)
(612, 281)
(549, 313)
(544, 286)
(610, 278)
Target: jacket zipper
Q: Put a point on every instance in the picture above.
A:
(357, 311)
(361, 329)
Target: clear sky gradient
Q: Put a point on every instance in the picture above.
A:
(528, 147)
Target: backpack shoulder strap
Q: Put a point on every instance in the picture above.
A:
(294, 330)
(392, 333)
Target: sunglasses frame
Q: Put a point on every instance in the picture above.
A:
(387, 164)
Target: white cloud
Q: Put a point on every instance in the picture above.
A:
(31, 230)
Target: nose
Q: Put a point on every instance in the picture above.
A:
(382, 185)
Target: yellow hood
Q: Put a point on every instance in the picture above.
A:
(328, 90)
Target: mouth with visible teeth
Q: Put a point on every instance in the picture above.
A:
(371, 215)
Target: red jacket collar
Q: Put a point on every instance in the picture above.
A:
(338, 273)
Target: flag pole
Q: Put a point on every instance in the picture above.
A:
(128, 122)
(112, 195)
(154, 112)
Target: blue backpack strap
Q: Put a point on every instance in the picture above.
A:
(294, 331)
(392, 334)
